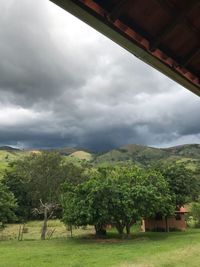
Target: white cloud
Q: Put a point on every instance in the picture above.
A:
(18, 116)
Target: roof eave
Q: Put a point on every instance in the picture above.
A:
(94, 21)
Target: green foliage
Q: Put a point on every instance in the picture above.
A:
(35, 176)
(7, 156)
(39, 176)
(7, 205)
(43, 173)
(17, 184)
(195, 212)
(183, 183)
(116, 195)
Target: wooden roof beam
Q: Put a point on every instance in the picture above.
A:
(98, 22)
(164, 5)
(186, 22)
(195, 52)
(117, 10)
(177, 20)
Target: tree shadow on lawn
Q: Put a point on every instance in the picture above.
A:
(114, 238)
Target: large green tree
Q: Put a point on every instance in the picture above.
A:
(44, 174)
(183, 182)
(18, 185)
(117, 196)
(7, 206)
(39, 177)
(35, 181)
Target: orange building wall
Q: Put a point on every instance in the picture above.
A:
(152, 224)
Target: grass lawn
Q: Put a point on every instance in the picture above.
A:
(176, 249)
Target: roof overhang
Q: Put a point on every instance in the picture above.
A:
(155, 39)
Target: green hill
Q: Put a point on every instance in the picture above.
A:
(191, 151)
(82, 155)
(9, 148)
(143, 155)
(65, 151)
(137, 154)
(8, 155)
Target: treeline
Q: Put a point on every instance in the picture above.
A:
(46, 185)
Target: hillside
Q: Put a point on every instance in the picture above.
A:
(137, 154)
(65, 151)
(143, 155)
(192, 151)
(9, 154)
(134, 153)
(9, 148)
(81, 155)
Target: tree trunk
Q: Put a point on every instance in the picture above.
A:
(166, 224)
(128, 226)
(70, 229)
(100, 230)
(128, 229)
(120, 229)
(44, 226)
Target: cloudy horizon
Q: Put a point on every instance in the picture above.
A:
(62, 87)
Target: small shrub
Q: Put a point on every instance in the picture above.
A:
(195, 212)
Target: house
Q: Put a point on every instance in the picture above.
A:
(165, 224)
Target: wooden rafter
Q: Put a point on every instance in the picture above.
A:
(186, 22)
(164, 5)
(195, 52)
(131, 36)
(117, 10)
(175, 21)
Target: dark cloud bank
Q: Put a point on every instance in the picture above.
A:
(77, 88)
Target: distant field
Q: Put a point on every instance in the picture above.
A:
(176, 249)
(33, 229)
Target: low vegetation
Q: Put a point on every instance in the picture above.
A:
(175, 249)
(95, 207)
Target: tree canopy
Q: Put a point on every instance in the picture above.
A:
(183, 182)
(117, 196)
(39, 177)
(7, 205)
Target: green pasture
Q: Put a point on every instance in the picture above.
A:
(175, 249)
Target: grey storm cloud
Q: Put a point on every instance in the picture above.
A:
(64, 84)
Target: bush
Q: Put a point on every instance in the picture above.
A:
(195, 212)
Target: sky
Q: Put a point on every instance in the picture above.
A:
(64, 84)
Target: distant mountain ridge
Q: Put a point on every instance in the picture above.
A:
(189, 154)
(186, 150)
(9, 148)
(143, 155)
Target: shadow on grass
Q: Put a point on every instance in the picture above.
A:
(114, 238)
